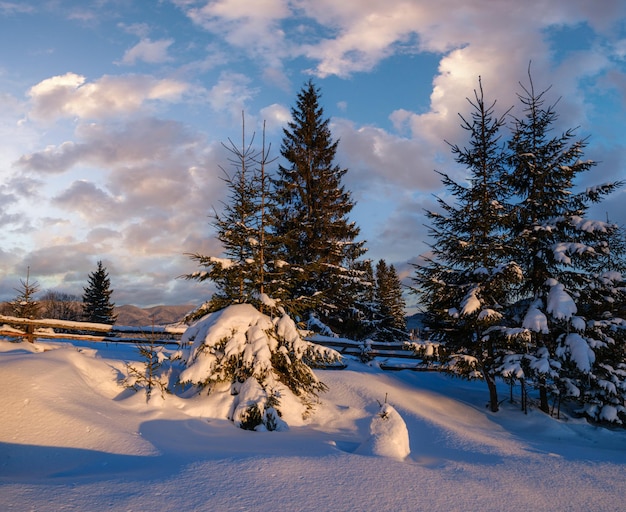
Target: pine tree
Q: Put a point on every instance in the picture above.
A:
(554, 244)
(390, 304)
(318, 245)
(467, 281)
(97, 305)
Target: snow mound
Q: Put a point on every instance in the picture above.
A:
(64, 397)
(389, 436)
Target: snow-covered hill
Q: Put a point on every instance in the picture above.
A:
(72, 438)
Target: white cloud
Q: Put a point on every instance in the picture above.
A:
(230, 94)
(146, 50)
(276, 117)
(70, 95)
(365, 37)
(253, 27)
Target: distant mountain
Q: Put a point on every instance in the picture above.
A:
(415, 321)
(157, 315)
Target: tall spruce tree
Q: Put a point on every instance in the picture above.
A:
(468, 279)
(555, 246)
(390, 304)
(242, 228)
(97, 305)
(318, 246)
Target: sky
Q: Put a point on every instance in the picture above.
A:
(113, 115)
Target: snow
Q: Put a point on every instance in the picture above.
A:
(389, 436)
(535, 320)
(562, 249)
(576, 347)
(590, 226)
(73, 439)
(560, 304)
(471, 302)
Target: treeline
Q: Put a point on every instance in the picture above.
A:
(519, 283)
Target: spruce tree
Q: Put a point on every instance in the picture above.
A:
(241, 273)
(318, 247)
(390, 304)
(97, 305)
(555, 246)
(25, 305)
(467, 280)
(357, 295)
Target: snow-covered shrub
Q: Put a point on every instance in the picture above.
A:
(389, 436)
(266, 361)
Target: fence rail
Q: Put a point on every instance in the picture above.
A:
(390, 355)
(44, 328)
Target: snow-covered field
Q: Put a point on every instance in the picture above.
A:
(72, 438)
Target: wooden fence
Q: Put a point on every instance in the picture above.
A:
(391, 356)
(45, 328)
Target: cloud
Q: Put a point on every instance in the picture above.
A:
(380, 160)
(153, 52)
(276, 117)
(366, 35)
(54, 260)
(10, 8)
(139, 141)
(90, 202)
(230, 94)
(70, 95)
(252, 27)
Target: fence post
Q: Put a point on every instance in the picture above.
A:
(30, 333)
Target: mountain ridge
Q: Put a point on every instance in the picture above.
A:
(134, 316)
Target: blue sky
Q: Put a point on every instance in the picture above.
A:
(113, 114)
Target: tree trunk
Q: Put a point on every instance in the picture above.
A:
(493, 393)
(543, 399)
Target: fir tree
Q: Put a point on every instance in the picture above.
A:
(97, 305)
(467, 281)
(555, 244)
(318, 246)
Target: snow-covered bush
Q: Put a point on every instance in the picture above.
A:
(389, 436)
(265, 360)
